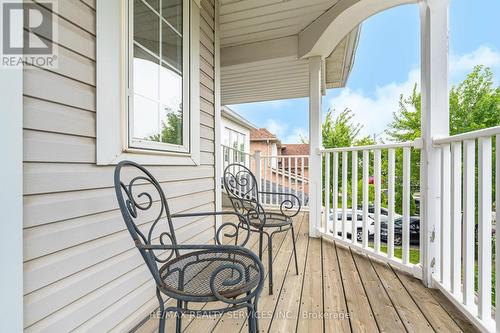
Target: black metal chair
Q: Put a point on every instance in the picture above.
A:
(243, 191)
(230, 274)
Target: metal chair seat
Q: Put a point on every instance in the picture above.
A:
(273, 220)
(190, 275)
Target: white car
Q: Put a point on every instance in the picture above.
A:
(384, 213)
(348, 225)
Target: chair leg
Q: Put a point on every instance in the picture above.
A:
(261, 239)
(178, 318)
(161, 327)
(295, 252)
(256, 319)
(251, 328)
(270, 262)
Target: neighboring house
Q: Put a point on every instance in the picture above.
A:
(236, 135)
(282, 157)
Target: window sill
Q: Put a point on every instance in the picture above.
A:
(152, 158)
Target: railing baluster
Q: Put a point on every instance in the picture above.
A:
(283, 181)
(497, 243)
(406, 205)
(366, 175)
(335, 193)
(327, 191)
(390, 202)
(344, 194)
(456, 218)
(468, 197)
(303, 192)
(378, 176)
(296, 178)
(354, 200)
(484, 228)
(445, 216)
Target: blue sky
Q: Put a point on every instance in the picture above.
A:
(387, 64)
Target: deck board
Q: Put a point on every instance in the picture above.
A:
(339, 290)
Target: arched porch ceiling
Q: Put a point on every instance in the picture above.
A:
(265, 44)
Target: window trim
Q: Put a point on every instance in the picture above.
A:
(112, 89)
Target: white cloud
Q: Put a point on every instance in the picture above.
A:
(374, 113)
(463, 64)
(276, 127)
(295, 136)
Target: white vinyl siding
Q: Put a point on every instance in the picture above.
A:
(81, 269)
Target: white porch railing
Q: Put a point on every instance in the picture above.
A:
(363, 167)
(357, 180)
(276, 173)
(464, 234)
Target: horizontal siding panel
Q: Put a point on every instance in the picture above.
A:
(47, 208)
(207, 69)
(53, 237)
(207, 29)
(72, 37)
(48, 300)
(207, 81)
(55, 177)
(207, 158)
(207, 106)
(206, 132)
(206, 93)
(48, 269)
(90, 3)
(56, 88)
(106, 319)
(52, 147)
(207, 119)
(78, 13)
(46, 116)
(207, 145)
(206, 55)
(207, 42)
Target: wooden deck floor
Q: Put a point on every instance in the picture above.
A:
(337, 290)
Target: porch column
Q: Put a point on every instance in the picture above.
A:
(434, 123)
(315, 143)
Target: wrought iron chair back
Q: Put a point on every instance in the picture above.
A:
(141, 199)
(243, 192)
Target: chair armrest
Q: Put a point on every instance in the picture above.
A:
(242, 219)
(234, 280)
(289, 206)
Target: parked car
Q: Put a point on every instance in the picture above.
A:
(359, 223)
(398, 230)
(384, 213)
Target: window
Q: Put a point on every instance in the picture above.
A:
(148, 81)
(158, 110)
(235, 140)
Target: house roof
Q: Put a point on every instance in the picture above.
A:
(262, 134)
(233, 116)
(295, 149)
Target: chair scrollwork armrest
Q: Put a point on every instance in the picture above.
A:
(220, 230)
(290, 205)
(215, 275)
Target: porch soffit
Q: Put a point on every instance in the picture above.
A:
(260, 49)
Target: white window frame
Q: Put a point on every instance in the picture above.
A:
(112, 89)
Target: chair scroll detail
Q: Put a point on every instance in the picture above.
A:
(188, 273)
(243, 191)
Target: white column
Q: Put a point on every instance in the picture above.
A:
(315, 143)
(219, 163)
(435, 123)
(11, 196)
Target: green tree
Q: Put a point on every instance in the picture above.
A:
(171, 129)
(474, 104)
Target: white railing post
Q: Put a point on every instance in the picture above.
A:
(327, 192)
(258, 171)
(315, 183)
(435, 123)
